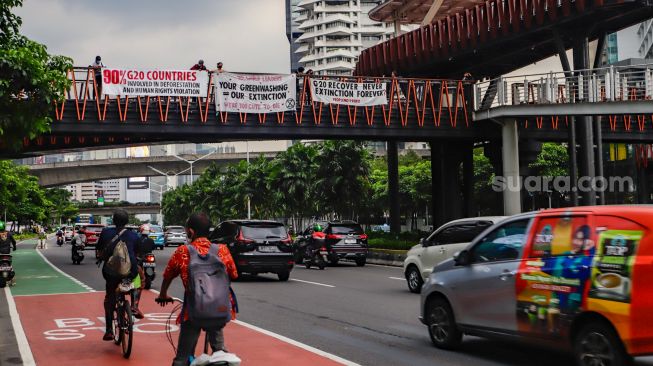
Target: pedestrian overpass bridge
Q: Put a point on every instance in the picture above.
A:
(488, 38)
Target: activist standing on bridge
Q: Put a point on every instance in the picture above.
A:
(97, 66)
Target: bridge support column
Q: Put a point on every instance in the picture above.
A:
(585, 129)
(510, 158)
(448, 201)
(643, 193)
(393, 186)
(468, 179)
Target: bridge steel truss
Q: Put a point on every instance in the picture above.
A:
(417, 108)
(498, 36)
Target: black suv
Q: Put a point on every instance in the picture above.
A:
(342, 239)
(257, 246)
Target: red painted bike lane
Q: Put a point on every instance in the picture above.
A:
(67, 329)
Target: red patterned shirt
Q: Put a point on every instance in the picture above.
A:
(178, 264)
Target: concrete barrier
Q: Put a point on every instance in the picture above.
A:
(387, 257)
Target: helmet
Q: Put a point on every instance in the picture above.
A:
(144, 229)
(2, 226)
(201, 62)
(317, 227)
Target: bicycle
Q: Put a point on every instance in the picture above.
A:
(203, 359)
(123, 318)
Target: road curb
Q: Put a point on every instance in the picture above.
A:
(385, 257)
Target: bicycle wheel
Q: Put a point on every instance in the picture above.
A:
(117, 329)
(127, 330)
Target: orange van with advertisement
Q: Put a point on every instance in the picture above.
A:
(580, 277)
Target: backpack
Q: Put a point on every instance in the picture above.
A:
(208, 299)
(119, 265)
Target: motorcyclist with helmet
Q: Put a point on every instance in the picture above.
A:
(7, 241)
(144, 246)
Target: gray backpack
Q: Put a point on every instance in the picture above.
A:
(209, 305)
(118, 265)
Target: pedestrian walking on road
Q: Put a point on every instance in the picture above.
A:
(42, 237)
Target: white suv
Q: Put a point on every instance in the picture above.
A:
(442, 244)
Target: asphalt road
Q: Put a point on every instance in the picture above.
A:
(363, 314)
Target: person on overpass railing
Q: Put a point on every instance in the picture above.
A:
(199, 66)
(97, 66)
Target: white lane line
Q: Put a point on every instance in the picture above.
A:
(312, 283)
(396, 278)
(384, 266)
(85, 286)
(21, 339)
(295, 343)
(303, 346)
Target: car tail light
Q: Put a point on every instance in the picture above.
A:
(149, 258)
(363, 236)
(291, 262)
(242, 262)
(323, 249)
(334, 236)
(243, 240)
(319, 235)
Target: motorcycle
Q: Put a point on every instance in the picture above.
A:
(149, 267)
(316, 257)
(77, 250)
(6, 270)
(59, 240)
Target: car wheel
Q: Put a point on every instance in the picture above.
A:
(442, 326)
(597, 344)
(283, 276)
(361, 261)
(414, 280)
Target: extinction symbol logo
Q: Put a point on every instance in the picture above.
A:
(290, 103)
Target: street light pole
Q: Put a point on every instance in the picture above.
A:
(191, 162)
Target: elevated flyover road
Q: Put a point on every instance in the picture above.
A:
(69, 172)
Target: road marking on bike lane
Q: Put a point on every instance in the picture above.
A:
(21, 339)
(76, 322)
(312, 283)
(87, 287)
(397, 278)
(37, 275)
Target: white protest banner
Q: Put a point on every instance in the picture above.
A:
(173, 83)
(251, 93)
(349, 93)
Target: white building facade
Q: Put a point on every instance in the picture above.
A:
(335, 32)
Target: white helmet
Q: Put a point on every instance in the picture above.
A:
(144, 229)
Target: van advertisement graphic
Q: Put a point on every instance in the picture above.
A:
(613, 265)
(552, 282)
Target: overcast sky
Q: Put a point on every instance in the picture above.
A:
(246, 35)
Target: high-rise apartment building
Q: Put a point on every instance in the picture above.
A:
(334, 32)
(112, 190)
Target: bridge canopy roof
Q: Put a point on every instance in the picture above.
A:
(414, 11)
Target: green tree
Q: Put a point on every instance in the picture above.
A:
(21, 197)
(292, 182)
(552, 161)
(342, 176)
(63, 209)
(30, 81)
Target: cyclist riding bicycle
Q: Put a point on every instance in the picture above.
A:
(109, 238)
(144, 246)
(197, 229)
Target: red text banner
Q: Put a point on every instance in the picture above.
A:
(173, 83)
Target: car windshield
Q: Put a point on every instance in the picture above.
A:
(176, 229)
(264, 231)
(156, 229)
(346, 229)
